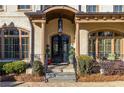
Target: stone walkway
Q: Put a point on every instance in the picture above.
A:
(63, 84)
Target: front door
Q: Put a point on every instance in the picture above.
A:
(60, 48)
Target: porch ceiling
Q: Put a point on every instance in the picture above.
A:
(60, 12)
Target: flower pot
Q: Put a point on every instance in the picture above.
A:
(102, 71)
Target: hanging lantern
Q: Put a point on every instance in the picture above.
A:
(60, 25)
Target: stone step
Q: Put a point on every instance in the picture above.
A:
(62, 80)
(63, 76)
(65, 73)
(61, 73)
(61, 68)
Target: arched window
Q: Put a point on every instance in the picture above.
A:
(103, 43)
(14, 43)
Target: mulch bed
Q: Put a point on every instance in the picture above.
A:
(21, 78)
(101, 78)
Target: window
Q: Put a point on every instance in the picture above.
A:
(104, 47)
(1, 7)
(92, 49)
(24, 7)
(25, 47)
(101, 44)
(91, 8)
(117, 8)
(16, 43)
(79, 7)
(11, 46)
(0, 48)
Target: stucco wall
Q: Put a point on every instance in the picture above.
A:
(18, 18)
(83, 42)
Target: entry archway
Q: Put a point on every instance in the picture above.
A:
(52, 16)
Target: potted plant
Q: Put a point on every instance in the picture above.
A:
(102, 70)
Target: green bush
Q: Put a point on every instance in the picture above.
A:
(14, 67)
(37, 68)
(19, 67)
(85, 64)
(111, 56)
(1, 67)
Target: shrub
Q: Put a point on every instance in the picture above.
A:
(37, 68)
(1, 67)
(14, 67)
(8, 68)
(85, 64)
(71, 54)
(111, 56)
(19, 67)
(113, 68)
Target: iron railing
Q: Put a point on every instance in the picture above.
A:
(46, 68)
(75, 68)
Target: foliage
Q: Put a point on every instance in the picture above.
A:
(71, 53)
(1, 67)
(37, 68)
(14, 67)
(85, 64)
(19, 67)
(111, 56)
(113, 68)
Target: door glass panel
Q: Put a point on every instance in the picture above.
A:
(60, 45)
(65, 48)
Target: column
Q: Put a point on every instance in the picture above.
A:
(43, 42)
(77, 49)
(83, 42)
(113, 46)
(20, 45)
(122, 48)
(2, 42)
(31, 57)
(97, 47)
